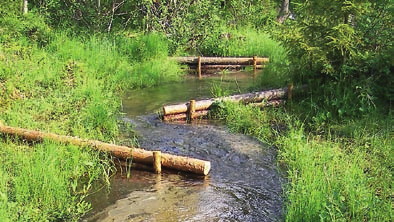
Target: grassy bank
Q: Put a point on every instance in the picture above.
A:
(69, 86)
(337, 171)
(338, 168)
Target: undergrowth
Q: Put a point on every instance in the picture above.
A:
(339, 171)
(68, 86)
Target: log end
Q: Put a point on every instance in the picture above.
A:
(207, 168)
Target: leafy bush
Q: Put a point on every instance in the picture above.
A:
(342, 50)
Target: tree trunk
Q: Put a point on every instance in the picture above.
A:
(284, 11)
(25, 8)
(181, 163)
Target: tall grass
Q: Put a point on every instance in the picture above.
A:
(244, 41)
(336, 172)
(41, 182)
(72, 87)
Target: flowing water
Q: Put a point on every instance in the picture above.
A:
(243, 184)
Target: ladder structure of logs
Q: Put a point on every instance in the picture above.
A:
(205, 63)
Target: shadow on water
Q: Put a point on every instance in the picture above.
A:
(243, 185)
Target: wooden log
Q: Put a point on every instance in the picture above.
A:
(183, 116)
(245, 98)
(273, 103)
(181, 163)
(222, 60)
(157, 161)
(209, 67)
(272, 94)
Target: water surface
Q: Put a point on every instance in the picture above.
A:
(243, 185)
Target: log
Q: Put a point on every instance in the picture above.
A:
(222, 60)
(187, 164)
(209, 67)
(245, 98)
(273, 103)
(183, 116)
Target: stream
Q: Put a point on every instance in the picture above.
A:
(243, 185)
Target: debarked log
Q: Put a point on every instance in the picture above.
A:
(183, 116)
(181, 163)
(244, 98)
(222, 60)
(273, 103)
(209, 67)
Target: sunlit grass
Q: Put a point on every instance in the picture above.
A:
(333, 173)
(69, 87)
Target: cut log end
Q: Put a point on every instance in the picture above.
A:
(207, 168)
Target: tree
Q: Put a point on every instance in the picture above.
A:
(284, 11)
(343, 48)
(25, 8)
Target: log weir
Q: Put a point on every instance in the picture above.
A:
(255, 97)
(274, 97)
(211, 63)
(181, 163)
(193, 60)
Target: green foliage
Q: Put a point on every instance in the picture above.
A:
(42, 182)
(342, 50)
(336, 172)
(70, 87)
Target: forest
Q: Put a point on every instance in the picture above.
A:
(64, 65)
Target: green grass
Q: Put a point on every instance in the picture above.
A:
(41, 182)
(341, 171)
(72, 87)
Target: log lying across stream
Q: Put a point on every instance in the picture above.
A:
(181, 163)
(193, 60)
(272, 97)
(213, 63)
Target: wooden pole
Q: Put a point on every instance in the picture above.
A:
(184, 116)
(187, 164)
(192, 109)
(254, 63)
(290, 91)
(199, 67)
(157, 161)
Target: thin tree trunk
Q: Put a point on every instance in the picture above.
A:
(25, 8)
(284, 11)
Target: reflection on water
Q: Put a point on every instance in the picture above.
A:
(150, 100)
(243, 185)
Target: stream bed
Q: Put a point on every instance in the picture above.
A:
(244, 183)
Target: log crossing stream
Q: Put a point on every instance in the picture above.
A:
(243, 185)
